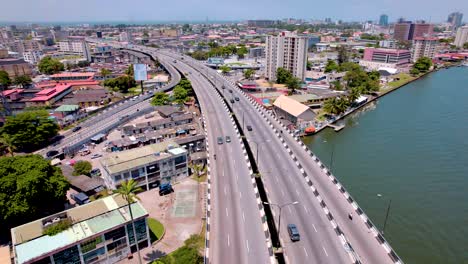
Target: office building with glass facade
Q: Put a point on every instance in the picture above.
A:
(98, 232)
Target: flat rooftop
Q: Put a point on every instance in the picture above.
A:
(122, 161)
(87, 221)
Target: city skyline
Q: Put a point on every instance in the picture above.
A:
(146, 10)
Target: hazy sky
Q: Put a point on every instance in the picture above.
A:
(158, 10)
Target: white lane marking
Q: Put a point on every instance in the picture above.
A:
(305, 251)
(248, 249)
(305, 208)
(297, 192)
(314, 227)
(225, 193)
(282, 192)
(324, 250)
(228, 240)
(243, 215)
(227, 212)
(240, 194)
(290, 209)
(277, 180)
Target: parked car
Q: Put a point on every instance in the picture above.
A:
(232, 101)
(80, 198)
(237, 98)
(249, 128)
(95, 172)
(96, 155)
(52, 153)
(165, 188)
(293, 233)
(76, 128)
(220, 140)
(228, 139)
(230, 90)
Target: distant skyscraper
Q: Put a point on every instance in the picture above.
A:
(455, 19)
(383, 21)
(287, 50)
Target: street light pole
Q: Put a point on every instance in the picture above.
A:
(280, 207)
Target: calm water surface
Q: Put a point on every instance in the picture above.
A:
(411, 147)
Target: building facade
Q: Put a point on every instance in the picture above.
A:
(75, 46)
(288, 51)
(261, 23)
(408, 31)
(33, 56)
(461, 37)
(148, 165)
(99, 232)
(15, 67)
(423, 47)
(388, 56)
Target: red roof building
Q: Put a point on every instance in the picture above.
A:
(49, 96)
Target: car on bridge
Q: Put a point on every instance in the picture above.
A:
(293, 233)
(76, 129)
(228, 139)
(220, 140)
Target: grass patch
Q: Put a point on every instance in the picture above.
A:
(404, 78)
(58, 227)
(188, 253)
(156, 229)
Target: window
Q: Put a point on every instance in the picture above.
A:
(90, 244)
(135, 174)
(115, 234)
(117, 177)
(68, 256)
(94, 255)
(140, 228)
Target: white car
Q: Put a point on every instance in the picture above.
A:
(95, 156)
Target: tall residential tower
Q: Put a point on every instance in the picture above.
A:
(287, 50)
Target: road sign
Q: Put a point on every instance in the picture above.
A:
(140, 73)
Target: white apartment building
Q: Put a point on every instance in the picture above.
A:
(461, 37)
(423, 47)
(33, 56)
(161, 162)
(287, 50)
(75, 46)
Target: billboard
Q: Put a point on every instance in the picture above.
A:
(140, 73)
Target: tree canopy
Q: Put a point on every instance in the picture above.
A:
(5, 80)
(160, 98)
(331, 66)
(293, 84)
(249, 73)
(122, 83)
(82, 167)
(363, 81)
(423, 64)
(465, 45)
(129, 71)
(48, 65)
(30, 129)
(225, 69)
(342, 54)
(29, 188)
(336, 105)
(22, 80)
(180, 94)
(283, 75)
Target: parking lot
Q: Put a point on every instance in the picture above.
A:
(180, 212)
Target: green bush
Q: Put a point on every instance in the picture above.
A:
(56, 228)
(82, 167)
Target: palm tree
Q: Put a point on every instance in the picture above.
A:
(353, 95)
(128, 191)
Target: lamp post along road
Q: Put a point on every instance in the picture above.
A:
(280, 207)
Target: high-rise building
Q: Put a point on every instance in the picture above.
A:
(401, 31)
(383, 21)
(423, 47)
(75, 45)
(287, 50)
(408, 31)
(455, 19)
(461, 37)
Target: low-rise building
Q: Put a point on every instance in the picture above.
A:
(375, 58)
(98, 232)
(291, 110)
(72, 76)
(15, 67)
(148, 165)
